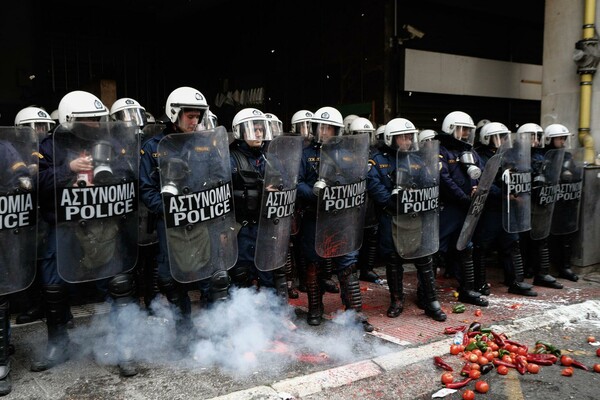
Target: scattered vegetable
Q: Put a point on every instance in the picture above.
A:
(441, 363)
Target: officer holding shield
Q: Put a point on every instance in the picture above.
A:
(404, 184)
(327, 129)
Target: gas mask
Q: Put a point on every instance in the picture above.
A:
(25, 184)
(468, 160)
(566, 175)
(173, 173)
(319, 186)
(403, 181)
(102, 155)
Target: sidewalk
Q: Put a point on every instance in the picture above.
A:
(408, 339)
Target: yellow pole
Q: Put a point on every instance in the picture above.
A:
(585, 82)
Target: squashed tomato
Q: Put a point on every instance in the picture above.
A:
(533, 368)
(567, 371)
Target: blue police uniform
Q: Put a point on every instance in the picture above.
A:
(344, 265)
(381, 182)
(490, 233)
(455, 198)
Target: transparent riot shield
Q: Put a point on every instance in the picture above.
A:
(195, 176)
(278, 202)
(479, 197)
(18, 208)
(96, 210)
(544, 190)
(565, 218)
(147, 232)
(415, 229)
(342, 204)
(516, 187)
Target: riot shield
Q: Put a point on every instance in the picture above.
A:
(18, 208)
(415, 229)
(565, 218)
(516, 187)
(197, 194)
(478, 199)
(544, 191)
(147, 233)
(342, 204)
(96, 210)
(278, 202)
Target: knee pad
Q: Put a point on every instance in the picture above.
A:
(219, 285)
(121, 285)
(240, 274)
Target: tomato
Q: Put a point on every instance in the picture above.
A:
(495, 353)
(455, 349)
(474, 374)
(567, 371)
(566, 360)
(482, 386)
(533, 368)
(477, 351)
(596, 367)
(478, 313)
(502, 369)
(475, 366)
(591, 339)
(473, 357)
(489, 354)
(447, 377)
(468, 395)
(493, 346)
(598, 352)
(522, 351)
(507, 358)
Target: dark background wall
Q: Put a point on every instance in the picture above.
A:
(304, 54)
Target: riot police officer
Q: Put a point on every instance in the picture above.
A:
(459, 174)
(70, 157)
(251, 131)
(327, 125)
(407, 235)
(185, 108)
(490, 232)
(368, 251)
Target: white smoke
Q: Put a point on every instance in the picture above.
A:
(252, 331)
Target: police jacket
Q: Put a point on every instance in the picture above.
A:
(455, 184)
(13, 167)
(149, 172)
(54, 165)
(308, 176)
(247, 172)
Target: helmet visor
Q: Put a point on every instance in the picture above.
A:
(255, 130)
(324, 132)
(405, 142)
(464, 133)
(134, 115)
(276, 128)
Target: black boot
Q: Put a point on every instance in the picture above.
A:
(481, 285)
(300, 264)
(57, 309)
(518, 286)
(542, 276)
(325, 273)
(430, 302)
(315, 298)
(121, 289)
(176, 294)
(280, 283)
(564, 265)
(467, 292)
(292, 293)
(351, 296)
(394, 271)
(368, 257)
(5, 382)
(35, 310)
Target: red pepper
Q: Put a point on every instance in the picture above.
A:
(521, 368)
(499, 341)
(441, 363)
(466, 369)
(458, 385)
(541, 359)
(465, 340)
(506, 364)
(473, 334)
(450, 330)
(579, 365)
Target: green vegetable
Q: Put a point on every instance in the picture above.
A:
(459, 308)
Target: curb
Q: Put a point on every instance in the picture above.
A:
(288, 389)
